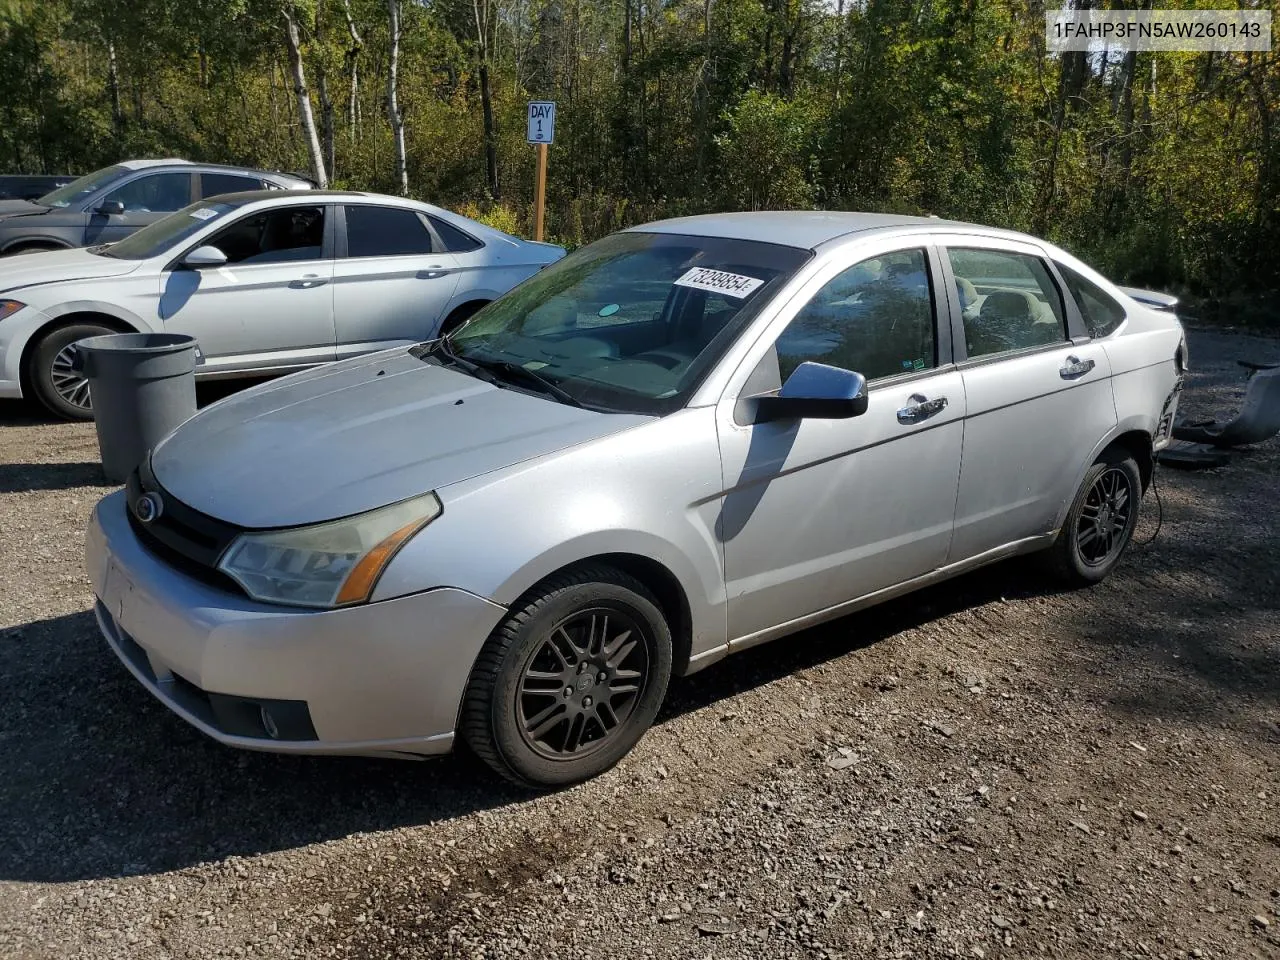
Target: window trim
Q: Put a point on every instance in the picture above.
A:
(1073, 324)
(92, 203)
(326, 245)
(342, 251)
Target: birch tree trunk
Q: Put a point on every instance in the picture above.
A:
(393, 105)
(113, 84)
(322, 88)
(353, 72)
(305, 116)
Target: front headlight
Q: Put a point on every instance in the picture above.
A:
(9, 307)
(331, 564)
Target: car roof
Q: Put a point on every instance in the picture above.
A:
(249, 196)
(221, 167)
(806, 229)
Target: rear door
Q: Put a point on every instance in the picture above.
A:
(1038, 392)
(393, 280)
(270, 307)
(146, 198)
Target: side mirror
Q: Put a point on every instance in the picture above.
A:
(110, 208)
(206, 256)
(816, 391)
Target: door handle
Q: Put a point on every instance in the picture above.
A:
(920, 408)
(1075, 368)
(307, 282)
(434, 271)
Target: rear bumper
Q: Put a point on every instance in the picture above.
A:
(10, 390)
(380, 679)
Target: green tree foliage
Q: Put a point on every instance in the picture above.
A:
(1163, 169)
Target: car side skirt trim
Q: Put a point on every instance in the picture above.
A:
(1027, 545)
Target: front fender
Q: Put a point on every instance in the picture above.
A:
(45, 241)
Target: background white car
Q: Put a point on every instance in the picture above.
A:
(268, 281)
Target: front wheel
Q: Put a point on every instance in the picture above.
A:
(570, 681)
(1101, 521)
(52, 374)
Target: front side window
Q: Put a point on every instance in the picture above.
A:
(274, 236)
(1102, 315)
(1008, 301)
(632, 322)
(77, 190)
(156, 238)
(215, 184)
(385, 232)
(875, 318)
(154, 193)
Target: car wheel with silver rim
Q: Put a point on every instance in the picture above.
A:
(52, 374)
(571, 680)
(1101, 521)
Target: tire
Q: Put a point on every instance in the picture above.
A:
(47, 371)
(1081, 556)
(533, 705)
(460, 316)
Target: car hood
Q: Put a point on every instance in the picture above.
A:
(58, 266)
(19, 208)
(360, 434)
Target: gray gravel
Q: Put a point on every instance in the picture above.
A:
(989, 768)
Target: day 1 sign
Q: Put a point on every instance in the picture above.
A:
(542, 121)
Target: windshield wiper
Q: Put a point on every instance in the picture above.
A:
(530, 377)
(494, 370)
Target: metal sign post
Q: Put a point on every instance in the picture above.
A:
(542, 131)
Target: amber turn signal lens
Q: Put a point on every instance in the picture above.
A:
(359, 583)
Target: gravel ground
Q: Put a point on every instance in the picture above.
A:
(989, 768)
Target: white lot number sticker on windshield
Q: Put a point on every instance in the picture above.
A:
(720, 281)
(204, 213)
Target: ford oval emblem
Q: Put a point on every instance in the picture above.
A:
(148, 507)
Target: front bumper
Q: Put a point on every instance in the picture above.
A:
(379, 679)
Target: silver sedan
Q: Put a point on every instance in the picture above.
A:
(268, 281)
(678, 442)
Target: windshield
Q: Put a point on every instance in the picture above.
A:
(155, 238)
(79, 189)
(632, 322)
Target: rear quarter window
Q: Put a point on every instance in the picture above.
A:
(1102, 315)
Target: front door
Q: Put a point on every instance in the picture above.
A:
(391, 284)
(819, 512)
(1039, 398)
(270, 307)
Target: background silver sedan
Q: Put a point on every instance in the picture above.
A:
(269, 281)
(676, 443)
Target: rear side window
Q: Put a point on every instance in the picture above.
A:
(385, 232)
(214, 184)
(1101, 314)
(1008, 301)
(455, 241)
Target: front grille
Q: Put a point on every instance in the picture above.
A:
(183, 537)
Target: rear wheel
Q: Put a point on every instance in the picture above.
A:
(51, 373)
(460, 316)
(570, 681)
(1101, 521)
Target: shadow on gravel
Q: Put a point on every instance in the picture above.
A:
(20, 477)
(101, 780)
